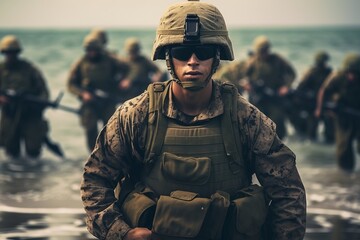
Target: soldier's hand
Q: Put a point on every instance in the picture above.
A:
(283, 91)
(317, 112)
(86, 96)
(138, 234)
(245, 84)
(125, 84)
(3, 100)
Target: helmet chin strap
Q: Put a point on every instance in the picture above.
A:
(193, 86)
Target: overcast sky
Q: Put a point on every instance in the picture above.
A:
(146, 13)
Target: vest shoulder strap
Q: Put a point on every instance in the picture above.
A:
(230, 127)
(157, 122)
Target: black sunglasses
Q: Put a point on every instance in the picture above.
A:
(202, 52)
(10, 52)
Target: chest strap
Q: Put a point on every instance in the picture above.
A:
(158, 123)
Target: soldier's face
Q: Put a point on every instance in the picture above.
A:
(353, 76)
(193, 64)
(92, 54)
(11, 56)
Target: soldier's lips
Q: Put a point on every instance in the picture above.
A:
(193, 74)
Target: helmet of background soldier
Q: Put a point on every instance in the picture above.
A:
(212, 28)
(10, 43)
(321, 58)
(100, 34)
(132, 45)
(351, 63)
(92, 42)
(261, 43)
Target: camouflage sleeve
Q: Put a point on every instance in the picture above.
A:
(305, 81)
(102, 172)
(74, 79)
(332, 84)
(39, 84)
(119, 147)
(274, 165)
(123, 68)
(288, 71)
(152, 66)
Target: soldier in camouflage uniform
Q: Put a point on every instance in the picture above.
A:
(189, 146)
(20, 120)
(234, 72)
(142, 70)
(270, 78)
(95, 80)
(343, 88)
(305, 96)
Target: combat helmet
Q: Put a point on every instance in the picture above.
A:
(132, 45)
(100, 34)
(351, 63)
(321, 57)
(91, 41)
(10, 43)
(260, 43)
(192, 22)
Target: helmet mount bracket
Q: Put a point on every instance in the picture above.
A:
(192, 29)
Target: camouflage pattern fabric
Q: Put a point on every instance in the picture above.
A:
(120, 149)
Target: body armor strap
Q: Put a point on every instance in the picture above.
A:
(157, 124)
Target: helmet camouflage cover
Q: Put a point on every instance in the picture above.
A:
(260, 43)
(10, 43)
(212, 28)
(321, 57)
(100, 34)
(352, 62)
(132, 45)
(91, 41)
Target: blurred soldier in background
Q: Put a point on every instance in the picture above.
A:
(95, 80)
(234, 72)
(102, 35)
(305, 99)
(21, 121)
(270, 78)
(142, 70)
(343, 89)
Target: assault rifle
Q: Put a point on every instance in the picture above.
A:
(13, 95)
(308, 99)
(17, 97)
(338, 108)
(101, 95)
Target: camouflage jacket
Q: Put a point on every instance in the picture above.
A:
(103, 74)
(341, 90)
(121, 145)
(273, 72)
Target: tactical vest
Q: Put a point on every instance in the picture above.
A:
(195, 181)
(203, 158)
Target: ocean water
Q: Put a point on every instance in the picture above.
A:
(42, 200)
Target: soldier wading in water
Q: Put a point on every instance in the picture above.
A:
(185, 150)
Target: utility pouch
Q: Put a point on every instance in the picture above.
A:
(139, 208)
(184, 215)
(185, 169)
(247, 214)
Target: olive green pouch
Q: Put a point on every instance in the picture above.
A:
(186, 169)
(248, 213)
(180, 216)
(215, 218)
(139, 208)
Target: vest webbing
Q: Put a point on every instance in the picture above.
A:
(158, 123)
